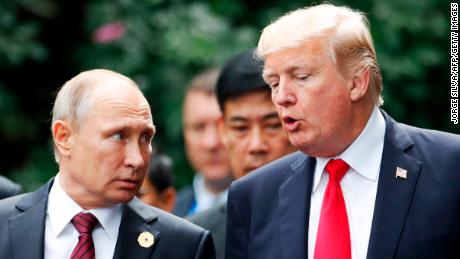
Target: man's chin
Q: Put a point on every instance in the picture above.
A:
(123, 197)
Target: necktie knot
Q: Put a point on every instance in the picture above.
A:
(84, 222)
(336, 169)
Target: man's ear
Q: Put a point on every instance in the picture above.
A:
(169, 198)
(62, 136)
(360, 85)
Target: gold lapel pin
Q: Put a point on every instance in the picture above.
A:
(146, 239)
(402, 173)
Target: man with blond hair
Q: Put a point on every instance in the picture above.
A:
(102, 130)
(362, 185)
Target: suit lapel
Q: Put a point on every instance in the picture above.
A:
(135, 221)
(28, 228)
(394, 194)
(293, 208)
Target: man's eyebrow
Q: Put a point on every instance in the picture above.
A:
(266, 74)
(291, 66)
(271, 115)
(238, 119)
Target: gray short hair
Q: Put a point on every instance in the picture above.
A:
(73, 99)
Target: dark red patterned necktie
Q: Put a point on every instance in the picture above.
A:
(333, 238)
(84, 223)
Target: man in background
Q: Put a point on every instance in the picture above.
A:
(203, 147)
(102, 130)
(158, 186)
(251, 131)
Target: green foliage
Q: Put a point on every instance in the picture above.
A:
(164, 43)
(18, 38)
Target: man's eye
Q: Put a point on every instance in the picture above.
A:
(146, 138)
(199, 127)
(118, 136)
(274, 126)
(239, 128)
(273, 85)
(303, 77)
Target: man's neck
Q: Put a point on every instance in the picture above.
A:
(217, 186)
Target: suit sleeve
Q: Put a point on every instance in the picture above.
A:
(236, 239)
(206, 248)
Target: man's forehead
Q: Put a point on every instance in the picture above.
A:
(315, 46)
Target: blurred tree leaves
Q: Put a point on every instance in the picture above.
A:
(162, 44)
(18, 39)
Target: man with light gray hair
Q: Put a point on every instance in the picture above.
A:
(362, 185)
(102, 130)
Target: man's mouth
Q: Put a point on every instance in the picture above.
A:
(128, 184)
(290, 124)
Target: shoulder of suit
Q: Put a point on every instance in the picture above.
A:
(431, 139)
(8, 188)
(163, 219)
(275, 170)
(400, 131)
(8, 205)
(207, 217)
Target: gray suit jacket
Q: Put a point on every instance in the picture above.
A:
(214, 219)
(22, 228)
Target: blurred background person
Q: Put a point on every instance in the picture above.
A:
(158, 186)
(8, 188)
(251, 131)
(204, 148)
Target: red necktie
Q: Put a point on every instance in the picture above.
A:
(333, 238)
(84, 223)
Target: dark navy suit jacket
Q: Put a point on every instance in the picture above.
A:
(22, 228)
(416, 217)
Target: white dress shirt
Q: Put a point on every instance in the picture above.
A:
(359, 186)
(204, 198)
(61, 237)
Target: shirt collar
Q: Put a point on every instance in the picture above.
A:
(62, 208)
(368, 143)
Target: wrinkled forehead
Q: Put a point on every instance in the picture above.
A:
(308, 55)
(119, 95)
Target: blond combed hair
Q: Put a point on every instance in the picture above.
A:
(347, 34)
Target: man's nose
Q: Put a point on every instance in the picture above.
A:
(283, 95)
(211, 138)
(134, 156)
(257, 141)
